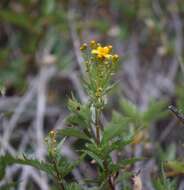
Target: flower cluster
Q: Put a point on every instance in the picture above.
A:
(101, 63)
(100, 52)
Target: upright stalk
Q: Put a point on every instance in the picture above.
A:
(101, 64)
(97, 125)
(59, 178)
(110, 182)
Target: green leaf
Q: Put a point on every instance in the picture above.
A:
(121, 164)
(48, 7)
(65, 166)
(129, 161)
(74, 105)
(2, 170)
(110, 87)
(115, 127)
(162, 183)
(73, 132)
(156, 110)
(80, 114)
(95, 157)
(73, 186)
(60, 144)
(19, 19)
(120, 143)
(130, 110)
(7, 160)
(58, 149)
(77, 120)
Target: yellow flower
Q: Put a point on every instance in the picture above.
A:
(102, 52)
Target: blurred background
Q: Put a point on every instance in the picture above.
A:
(41, 66)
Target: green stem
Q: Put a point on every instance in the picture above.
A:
(110, 182)
(97, 125)
(59, 178)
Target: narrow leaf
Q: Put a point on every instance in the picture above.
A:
(115, 127)
(9, 160)
(73, 132)
(95, 157)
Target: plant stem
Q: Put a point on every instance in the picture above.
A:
(110, 183)
(97, 125)
(59, 178)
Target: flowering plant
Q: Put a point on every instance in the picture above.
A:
(103, 143)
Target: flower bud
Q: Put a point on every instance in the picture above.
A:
(115, 58)
(93, 44)
(110, 48)
(83, 47)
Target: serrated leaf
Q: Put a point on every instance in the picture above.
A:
(73, 132)
(155, 111)
(77, 120)
(121, 164)
(95, 157)
(118, 145)
(7, 160)
(74, 105)
(129, 108)
(115, 127)
(65, 166)
(80, 114)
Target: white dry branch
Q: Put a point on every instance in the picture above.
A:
(46, 72)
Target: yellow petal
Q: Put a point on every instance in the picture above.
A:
(94, 51)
